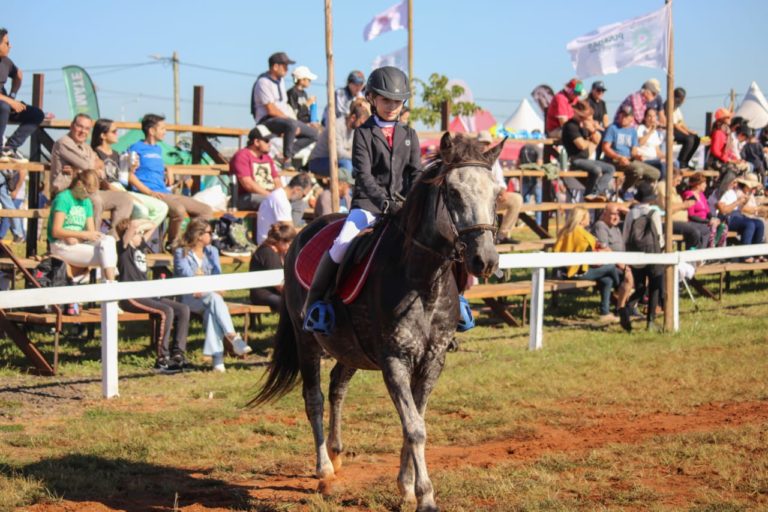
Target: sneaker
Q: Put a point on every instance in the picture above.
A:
(240, 347)
(219, 368)
(13, 155)
(166, 365)
(595, 198)
(610, 318)
(181, 361)
(18, 239)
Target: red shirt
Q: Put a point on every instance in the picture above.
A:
(389, 133)
(561, 106)
(245, 164)
(718, 147)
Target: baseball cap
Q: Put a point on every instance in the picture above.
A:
(627, 110)
(280, 58)
(356, 77)
(485, 136)
(303, 72)
(652, 85)
(598, 86)
(722, 113)
(645, 192)
(260, 132)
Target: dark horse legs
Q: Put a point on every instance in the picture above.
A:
(340, 377)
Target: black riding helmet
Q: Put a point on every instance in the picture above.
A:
(390, 82)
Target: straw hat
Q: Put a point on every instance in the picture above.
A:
(749, 180)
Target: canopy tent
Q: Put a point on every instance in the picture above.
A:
(754, 107)
(524, 118)
(481, 120)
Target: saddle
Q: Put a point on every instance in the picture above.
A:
(353, 270)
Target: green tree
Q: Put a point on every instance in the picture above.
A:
(434, 94)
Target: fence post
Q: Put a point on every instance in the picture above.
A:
(537, 309)
(109, 349)
(675, 298)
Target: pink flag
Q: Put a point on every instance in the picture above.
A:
(394, 18)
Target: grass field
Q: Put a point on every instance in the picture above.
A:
(597, 420)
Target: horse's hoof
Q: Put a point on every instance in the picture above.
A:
(336, 461)
(428, 508)
(325, 486)
(408, 502)
(326, 472)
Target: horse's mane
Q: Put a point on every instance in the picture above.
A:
(417, 209)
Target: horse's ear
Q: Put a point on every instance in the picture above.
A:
(493, 154)
(446, 146)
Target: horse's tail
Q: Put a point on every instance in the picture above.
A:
(284, 367)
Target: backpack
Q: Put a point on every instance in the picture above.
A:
(229, 232)
(643, 236)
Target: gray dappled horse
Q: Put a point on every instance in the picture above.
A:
(406, 315)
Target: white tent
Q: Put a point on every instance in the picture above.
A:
(524, 118)
(754, 107)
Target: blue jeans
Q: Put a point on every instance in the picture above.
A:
(29, 119)
(322, 166)
(532, 186)
(216, 320)
(17, 226)
(751, 231)
(600, 175)
(607, 277)
(292, 143)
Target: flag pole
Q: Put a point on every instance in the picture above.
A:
(669, 281)
(410, 52)
(330, 131)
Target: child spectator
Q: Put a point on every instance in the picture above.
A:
(195, 256)
(319, 162)
(254, 170)
(270, 255)
(71, 232)
(297, 95)
(132, 252)
(284, 204)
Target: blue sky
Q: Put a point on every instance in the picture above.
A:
(502, 49)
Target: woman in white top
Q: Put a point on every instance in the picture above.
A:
(734, 206)
(649, 141)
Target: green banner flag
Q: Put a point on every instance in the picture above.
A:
(80, 92)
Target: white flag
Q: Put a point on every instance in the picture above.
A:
(398, 59)
(394, 18)
(641, 41)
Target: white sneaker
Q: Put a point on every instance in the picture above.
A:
(219, 368)
(240, 347)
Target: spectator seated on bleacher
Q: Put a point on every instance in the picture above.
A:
(754, 154)
(319, 161)
(72, 235)
(639, 101)
(132, 252)
(70, 155)
(700, 211)
(270, 255)
(695, 234)
(149, 178)
(620, 149)
(195, 256)
(561, 108)
(610, 237)
(346, 95)
(507, 201)
(574, 237)
(269, 106)
(722, 156)
(297, 95)
(580, 136)
(144, 206)
(323, 204)
(254, 170)
(284, 204)
(687, 138)
(649, 142)
(734, 208)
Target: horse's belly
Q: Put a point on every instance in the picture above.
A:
(343, 347)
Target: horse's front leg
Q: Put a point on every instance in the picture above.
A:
(397, 377)
(313, 404)
(340, 377)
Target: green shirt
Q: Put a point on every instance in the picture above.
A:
(76, 212)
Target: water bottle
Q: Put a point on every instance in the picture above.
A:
(313, 113)
(563, 160)
(124, 169)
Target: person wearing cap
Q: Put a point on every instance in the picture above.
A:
(579, 136)
(734, 207)
(319, 160)
(561, 108)
(297, 95)
(345, 95)
(269, 106)
(640, 101)
(323, 203)
(648, 278)
(507, 201)
(254, 170)
(620, 149)
(686, 137)
(599, 112)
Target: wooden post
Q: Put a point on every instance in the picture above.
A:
(445, 115)
(176, 97)
(35, 155)
(670, 275)
(330, 130)
(410, 51)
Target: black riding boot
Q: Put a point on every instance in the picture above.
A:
(321, 282)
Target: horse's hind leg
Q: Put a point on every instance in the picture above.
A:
(313, 401)
(416, 480)
(340, 377)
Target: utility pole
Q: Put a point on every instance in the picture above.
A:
(176, 97)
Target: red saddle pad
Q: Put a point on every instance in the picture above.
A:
(310, 255)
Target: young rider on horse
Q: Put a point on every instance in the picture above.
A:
(386, 161)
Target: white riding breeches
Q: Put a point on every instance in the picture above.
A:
(357, 220)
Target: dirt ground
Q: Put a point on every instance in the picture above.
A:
(596, 429)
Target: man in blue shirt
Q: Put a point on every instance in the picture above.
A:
(620, 148)
(150, 179)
